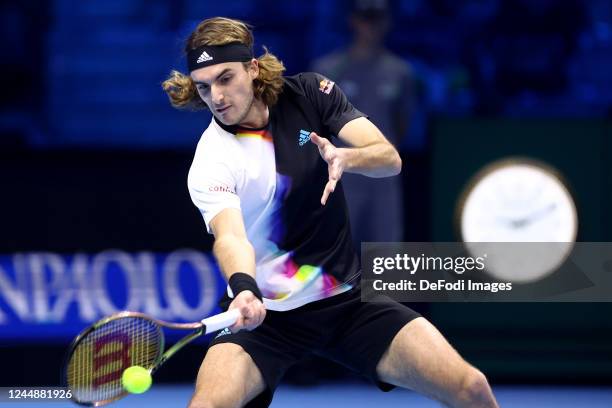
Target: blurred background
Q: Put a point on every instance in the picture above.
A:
(95, 215)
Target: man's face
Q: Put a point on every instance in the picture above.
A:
(371, 28)
(227, 89)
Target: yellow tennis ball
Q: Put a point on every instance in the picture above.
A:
(136, 379)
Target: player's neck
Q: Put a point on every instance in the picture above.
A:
(257, 117)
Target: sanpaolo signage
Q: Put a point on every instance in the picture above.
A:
(52, 295)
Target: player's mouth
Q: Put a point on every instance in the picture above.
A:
(224, 109)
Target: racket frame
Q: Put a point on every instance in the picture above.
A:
(205, 326)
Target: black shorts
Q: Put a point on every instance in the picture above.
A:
(341, 328)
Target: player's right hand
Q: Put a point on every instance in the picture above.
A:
(252, 311)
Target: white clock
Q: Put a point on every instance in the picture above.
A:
(517, 200)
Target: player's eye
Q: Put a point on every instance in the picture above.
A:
(202, 88)
(225, 80)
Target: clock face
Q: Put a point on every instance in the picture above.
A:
(519, 201)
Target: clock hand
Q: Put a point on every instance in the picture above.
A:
(522, 222)
(506, 221)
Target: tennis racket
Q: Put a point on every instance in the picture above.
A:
(98, 356)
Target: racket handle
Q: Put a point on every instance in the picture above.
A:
(221, 321)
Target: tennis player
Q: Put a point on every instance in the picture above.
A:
(266, 179)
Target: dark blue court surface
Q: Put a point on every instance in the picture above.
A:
(359, 395)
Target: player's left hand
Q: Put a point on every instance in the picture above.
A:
(336, 163)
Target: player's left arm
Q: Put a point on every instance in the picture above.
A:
(369, 154)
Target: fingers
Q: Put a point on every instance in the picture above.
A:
(252, 311)
(325, 146)
(247, 322)
(254, 315)
(257, 317)
(335, 171)
(236, 327)
(318, 140)
(329, 188)
(330, 154)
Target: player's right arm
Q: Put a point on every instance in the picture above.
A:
(235, 254)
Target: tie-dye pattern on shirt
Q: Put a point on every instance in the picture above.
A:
(284, 283)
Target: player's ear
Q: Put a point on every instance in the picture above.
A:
(253, 68)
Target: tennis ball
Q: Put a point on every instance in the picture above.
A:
(136, 379)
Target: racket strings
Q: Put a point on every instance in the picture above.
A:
(98, 361)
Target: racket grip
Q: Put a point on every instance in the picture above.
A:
(221, 321)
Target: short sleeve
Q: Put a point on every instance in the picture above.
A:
(212, 188)
(329, 101)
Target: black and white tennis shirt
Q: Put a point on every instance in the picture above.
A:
(276, 177)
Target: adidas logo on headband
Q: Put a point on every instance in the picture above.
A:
(204, 57)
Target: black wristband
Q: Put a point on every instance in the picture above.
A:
(240, 281)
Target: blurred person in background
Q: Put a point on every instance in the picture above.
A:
(520, 56)
(379, 84)
(23, 86)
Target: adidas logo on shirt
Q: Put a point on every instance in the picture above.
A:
(204, 57)
(304, 137)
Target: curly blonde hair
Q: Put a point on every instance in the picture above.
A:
(181, 89)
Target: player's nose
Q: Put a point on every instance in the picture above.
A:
(216, 95)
